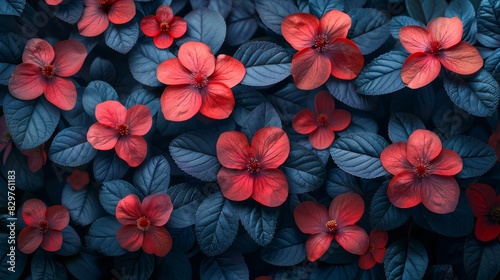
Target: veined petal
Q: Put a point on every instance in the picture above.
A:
(102, 137)
(197, 57)
(324, 103)
(163, 40)
(164, 13)
(33, 212)
(440, 193)
(233, 150)
(235, 185)
(57, 217)
(132, 149)
(61, 92)
(139, 120)
(52, 240)
(346, 209)
(38, 52)
(481, 198)
(171, 72)
(270, 146)
(448, 163)
(463, 59)
(339, 120)
(304, 122)
(379, 254)
(353, 239)
(485, 230)
(157, 241)
(310, 69)
(53, 2)
(366, 261)
(300, 30)
(311, 217)
(317, 245)
(150, 26)
(93, 22)
(130, 237)
(447, 31)
(420, 69)
(157, 208)
(110, 113)
(423, 145)
(180, 103)
(128, 210)
(404, 191)
(121, 11)
(379, 238)
(178, 27)
(346, 59)
(415, 38)
(217, 101)
(69, 57)
(29, 239)
(270, 187)
(393, 158)
(228, 70)
(27, 82)
(334, 24)
(321, 138)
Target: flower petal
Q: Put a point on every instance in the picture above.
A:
(228, 70)
(334, 24)
(379, 238)
(379, 254)
(324, 103)
(366, 261)
(53, 2)
(304, 122)
(481, 198)
(57, 217)
(139, 120)
(94, 21)
(321, 138)
(178, 27)
(52, 240)
(440, 193)
(69, 57)
(121, 11)
(33, 212)
(447, 31)
(346, 209)
(157, 241)
(110, 113)
(235, 185)
(415, 38)
(346, 59)
(448, 163)
(61, 92)
(163, 40)
(404, 191)
(353, 239)
(270, 187)
(38, 52)
(164, 13)
(270, 146)
(233, 150)
(419, 69)
(317, 245)
(157, 208)
(171, 72)
(150, 26)
(27, 82)
(300, 30)
(36, 158)
(463, 59)
(423, 145)
(197, 57)
(132, 149)
(128, 210)
(311, 217)
(339, 120)
(102, 137)
(393, 158)
(180, 103)
(310, 69)
(486, 230)
(29, 239)
(217, 101)
(130, 237)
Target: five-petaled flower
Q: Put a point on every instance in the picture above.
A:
(44, 226)
(78, 179)
(376, 250)
(485, 204)
(423, 172)
(143, 223)
(122, 130)
(323, 48)
(252, 170)
(440, 43)
(338, 222)
(321, 125)
(5, 139)
(493, 141)
(198, 82)
(37, 157)
(163, 27)
(45, 70)
(98, 13)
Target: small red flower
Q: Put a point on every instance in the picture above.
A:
(78, 179)
(143, 223)
(53, 2)
(44, 226)
(323, 48)
(198, 82)
(493, 141)
(121, 129)
(338, 222)
(46, 70)
(440, 43)
(321, 125)
(163, 26)
(98, 13)
(423, 173)
(37, 158)
(485, 204)
(376, 250)
(252, 170)
(5, 139)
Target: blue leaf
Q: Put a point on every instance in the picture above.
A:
(477, 94)
(396, 23)
(383, 214)
(246, 99)
(137, 265)
(104, 70)
(186, 200)
(144, 97)
(71, 242)
(148, 7)
(216, 225)
(70, 147)
(440, 272)
(382, 75)
(488, 20)
(114, 191)
(25, 179)
(10, 56)
(286, 249)
(101, 237)
(464, 10)
(369, 29)
(95, 93)
(108, 166)
(374, 273)
(347, 271)
(143, 61)
(12, 7)
(320, 7)
(265, 63)
(223, 7)
(153, 177)
(481, 259)
(195, 154)
(455, 224)
(262, 116)
(6, 259)
(288, 101)
(405, 259)
(31, 122)
(353, 4)
(69, 11)
(401, 125)
(242, 24)
(258, 220)
(45, 265)
(303, 169)
(77, 116)
(85, 265)
(206, 26)
(83, 205)
(425, 10)
(359, 154)
(89, 42)
(346, 92)
(229, 265)
(175, 265)
(478, 157)
(360, 123)
(122, 37)
(273, 12)
(449, 119)
(492, 64)
(340, 182)
(184, 238)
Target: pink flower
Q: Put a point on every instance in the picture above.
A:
(320, 125)
(163, 26)
(122, 130)
(53, 2)
(493, 141)
(338, 222)
(143, 223)
(78, 179)
(98, 13)
(440, 43)
(252, 170)
(37, 158)
(323, 48)
(376, 250)
(44, 226)
(45, 70)
(198, 82)
(5, 139)
(485, 204)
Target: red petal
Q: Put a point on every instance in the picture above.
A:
(321, 138)
(366, 261)
(346, 59)
(93, 22)
(132, 149)
(447, 163)
(57, 217)
(139, 120)
(228, 71)
(334, 24)
(78, 179)
(130, 237)
(353, 239)
(52, 240)
(324, 103)
(463, 59)
(422, 145)
(379, 238)
(197, 57)
(128, 210)
(61, 92)
(310, 69)
(102, 137)
(92, 3)
(379, 254)
(233, 150)
(180, 103)
(163, 40)
(486, 230)
(157, 241)
(6, 153)
(270, 146)
(404, 191)
(33, 212)
(270, 187)
(217, 101)
(393, 158)
(317, 245)
(447, 31)
(110, 113)
(157, 208)
(339, 120)
(415, 38)
(346, 209)
(481, 198)
(121, 11)
(27, 82)
(305, 122)
(69, 57)
(171, 72)
(150, 26)
(178, 27)
(36, 159)
(29, 239)
(419, 69)
(53, 2)
(300, 30)
(311, 217)
(164, 13)
(440, 193)
(235, 185)
(38, 52)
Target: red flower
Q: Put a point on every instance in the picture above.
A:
(143, 223)
(323, 48)
(98, 13)
(321, 125)
(44, 226)
(252, 170)
(78, 179)
(493, 140)
(5, 139)
(423, 173)
(198, 82)
(440, 43)
(53, 2)
(485, 204)
(164, 27)
(376, 250)
(46, 70)
(121, 129)
(37, 158)
(337, 222)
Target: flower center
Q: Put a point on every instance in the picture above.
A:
(6, 137)
(331, 225)
(48, 71)
(495, 214)
(320, 43)
(37, 151)
(106, 5)
(199, 80)
(43, 226)
(164, 26)
(322, 120)
(143, 223)
(253, 165)
(122, 129)
(422, 169)
(435, 47)
(371, 248)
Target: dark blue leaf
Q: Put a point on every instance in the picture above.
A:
(244, 244)
(85, 265)
(122, 37)
(102, 69)
(184, 238)
(405, 259)
(481, 259)
(464, 10)
(455, 224)
(383, 214)
(477, 156)
(144, 97)
(273, 12)
(337, 255)
(340, 182)
(303, 169)
(71, 242)
(449, 119)
(13, 262)
(360, 123)
(12, 7)
(83, 205)
(143, 61)
(488, 20)
(401, 125)
(25, 179)
(223, 7)
(206, 26)
(320, 7)
(77, 116)
(347, 271)
(440, 272)
(101, 237)
(137, 265)
(70, 147)
(265, 63)
(45, 265)
(353, 4)
(258, 220)
(31, 122)
(112, 192)
(175, 266)
(216, 225)
(148, 7)
(286, 249)
(10, 56)
(262, 116)
(69, 11)
(492, 64)
(153, 176)
(95, 93)
(246, 99)
(88, 42)
(382, 75)
(288, 101)
(108, 166)
(230, 265)
(369, 29)
(396, 23)
(346, 92)
(242, 24)
(186, 199)
(425, 10)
